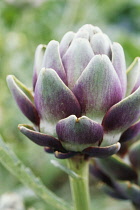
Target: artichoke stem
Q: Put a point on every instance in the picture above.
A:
(80, 186)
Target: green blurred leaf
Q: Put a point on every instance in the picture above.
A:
(71, 173)
(26, 176)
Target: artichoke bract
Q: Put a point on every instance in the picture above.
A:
(81, 102)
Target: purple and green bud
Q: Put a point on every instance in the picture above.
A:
(83, 100)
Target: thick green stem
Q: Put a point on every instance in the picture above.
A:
(80, 185)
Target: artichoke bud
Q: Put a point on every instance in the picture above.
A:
(81, 100)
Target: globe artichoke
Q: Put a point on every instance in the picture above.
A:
(81, 102)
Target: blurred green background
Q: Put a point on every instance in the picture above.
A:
(23, 25)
